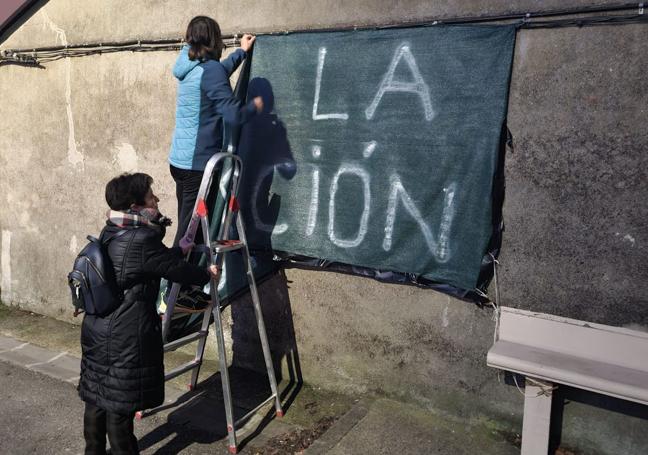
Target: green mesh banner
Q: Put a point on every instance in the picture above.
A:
(379, 148)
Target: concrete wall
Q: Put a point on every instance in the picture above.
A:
(575, 209)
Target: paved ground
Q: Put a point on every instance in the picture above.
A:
(40, 412)
(43, 415)
(389, 427)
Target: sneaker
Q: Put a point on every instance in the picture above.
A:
(192, 300)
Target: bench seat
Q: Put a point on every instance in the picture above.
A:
(549, 349)
(600, 377)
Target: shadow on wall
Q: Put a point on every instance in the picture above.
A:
(277, 314)
(265, 150)
(28, 10)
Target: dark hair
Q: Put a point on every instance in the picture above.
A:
(128, 189)
(204, 39)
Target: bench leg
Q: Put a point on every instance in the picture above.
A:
(537, 417)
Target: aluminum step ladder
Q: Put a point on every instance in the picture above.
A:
(215, 250)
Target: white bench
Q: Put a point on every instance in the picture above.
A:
(548, 349)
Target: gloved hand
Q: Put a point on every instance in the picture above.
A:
(186, 246)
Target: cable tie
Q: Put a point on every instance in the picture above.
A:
(481, 293)
(641, 9)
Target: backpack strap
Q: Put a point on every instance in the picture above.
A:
(105, 242)
(92, 238)
(114, 236)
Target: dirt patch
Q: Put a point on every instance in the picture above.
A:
(294, 442)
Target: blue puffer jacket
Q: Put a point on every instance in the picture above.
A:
(204, 101)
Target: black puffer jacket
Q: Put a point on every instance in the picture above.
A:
(122, 364)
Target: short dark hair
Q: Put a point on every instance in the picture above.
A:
(204, 38)
(127, 189)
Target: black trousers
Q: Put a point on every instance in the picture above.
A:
(119, 428)
(187, 186)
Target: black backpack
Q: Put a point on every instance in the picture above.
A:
(92, 279)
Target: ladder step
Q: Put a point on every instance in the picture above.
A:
(182, 369)
(253, 411)
(223, 246)
(173, 345)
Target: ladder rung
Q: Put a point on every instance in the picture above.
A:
(173, 345)
(223, 246)
(182, 369)
(253, 411)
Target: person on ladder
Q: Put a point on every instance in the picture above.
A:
(122, 367)
(204, 101)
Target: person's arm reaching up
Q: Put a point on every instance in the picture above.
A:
(215, 84)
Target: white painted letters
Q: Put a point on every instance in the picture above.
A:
(318, 85)
(314, 205)
(364, 219)
(388, 84)
(439, 248)
(438, 244)
(369, 149)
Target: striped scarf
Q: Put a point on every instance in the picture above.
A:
(139, 217)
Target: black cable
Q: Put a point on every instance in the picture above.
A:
(122, 45)
(527, 20)
(588, 22)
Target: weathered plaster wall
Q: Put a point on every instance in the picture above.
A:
(575, 208)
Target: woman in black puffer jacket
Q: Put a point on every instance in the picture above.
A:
(122, 364)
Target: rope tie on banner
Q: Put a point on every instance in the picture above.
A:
(481, 293)
(544, 391)
(495, 265)
(496, 313)
(496, 320)
(517, 386)
(496, 303)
